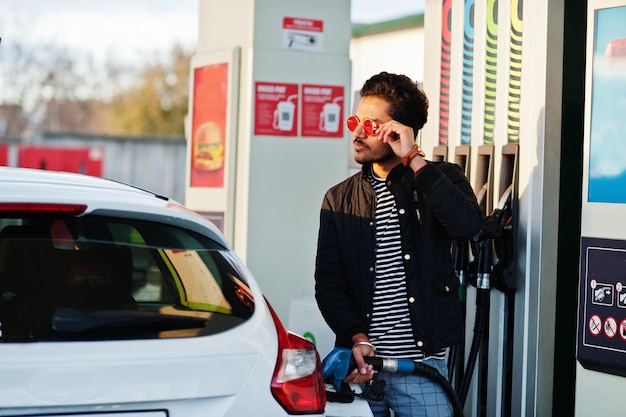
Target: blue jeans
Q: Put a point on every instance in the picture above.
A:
(411, 395)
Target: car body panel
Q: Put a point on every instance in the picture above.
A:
(44, 374)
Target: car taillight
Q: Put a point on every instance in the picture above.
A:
(298, 382)
(43, 208)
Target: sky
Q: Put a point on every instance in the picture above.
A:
(370, 11)
(127, 28)
(119, 28)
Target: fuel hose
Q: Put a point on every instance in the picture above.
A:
(339, 361)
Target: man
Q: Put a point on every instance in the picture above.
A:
(384, 276)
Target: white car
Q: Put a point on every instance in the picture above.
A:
(119, 302)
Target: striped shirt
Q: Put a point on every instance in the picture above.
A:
(390, 329)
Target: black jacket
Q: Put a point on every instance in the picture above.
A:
(434, 207)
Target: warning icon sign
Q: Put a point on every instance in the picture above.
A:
(610, 327)
(595, 325)
(622, 329)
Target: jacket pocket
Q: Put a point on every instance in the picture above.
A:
(447, 316)
(446, 285)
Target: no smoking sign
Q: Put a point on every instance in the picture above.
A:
(610, 327)
(595, 325)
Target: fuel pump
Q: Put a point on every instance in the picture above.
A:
(461, 252)
(504, 276)
(492, 229)
(498, 235)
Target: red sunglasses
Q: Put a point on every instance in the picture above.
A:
(369, 126)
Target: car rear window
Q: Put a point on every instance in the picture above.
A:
(105, 278)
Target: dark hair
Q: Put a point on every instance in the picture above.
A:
(408, 103)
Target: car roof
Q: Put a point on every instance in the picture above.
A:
(104, 196)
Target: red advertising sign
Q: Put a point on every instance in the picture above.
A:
(80, 160)
(4, 155)
(208, 140)
(322, 111)
(276, 109)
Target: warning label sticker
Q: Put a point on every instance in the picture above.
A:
(303, 34)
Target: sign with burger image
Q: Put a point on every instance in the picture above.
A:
(208, 147)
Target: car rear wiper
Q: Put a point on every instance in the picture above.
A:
(69, 320)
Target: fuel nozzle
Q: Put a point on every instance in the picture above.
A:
(492, 227)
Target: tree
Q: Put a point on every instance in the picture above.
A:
(156, 103)
(52, 88)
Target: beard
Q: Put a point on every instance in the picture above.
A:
(380, 155)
